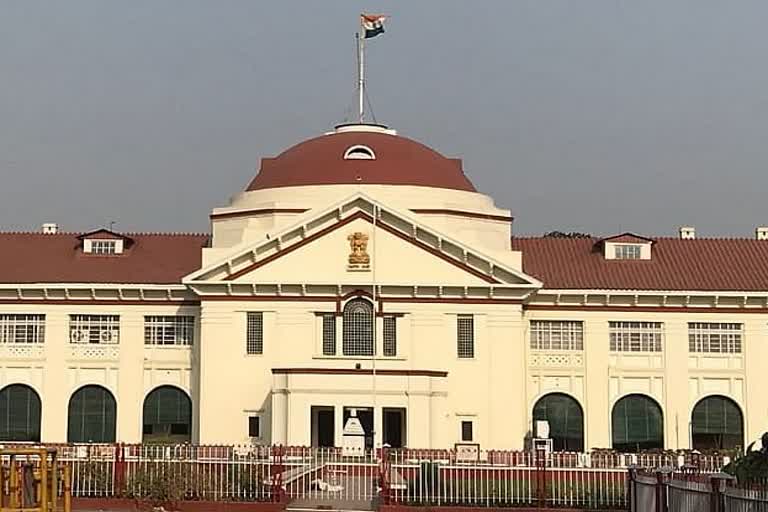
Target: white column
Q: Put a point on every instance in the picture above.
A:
(56, 388)
(279, 416)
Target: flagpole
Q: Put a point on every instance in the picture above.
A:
(361, 70)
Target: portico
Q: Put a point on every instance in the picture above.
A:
(393, 405)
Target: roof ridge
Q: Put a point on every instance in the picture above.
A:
(127, 233)
(654, 237)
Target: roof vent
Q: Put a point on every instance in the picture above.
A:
(687, 233)
(761, 233)
(49, 228)
(359, 153)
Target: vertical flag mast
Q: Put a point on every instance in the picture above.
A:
(371, 25)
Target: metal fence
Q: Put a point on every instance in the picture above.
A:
(418, 478)
(314, 477)
(693, 492)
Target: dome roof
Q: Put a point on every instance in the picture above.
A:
(361, 154)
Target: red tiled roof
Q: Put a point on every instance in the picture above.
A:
(399, 161)
(705, 264)
(58, 258)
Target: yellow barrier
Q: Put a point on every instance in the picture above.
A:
(32, 480)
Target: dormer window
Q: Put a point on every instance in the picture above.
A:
(626, 246)
(359, 153)
(628, 251)
(104, 243)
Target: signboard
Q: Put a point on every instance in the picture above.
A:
(467, 452)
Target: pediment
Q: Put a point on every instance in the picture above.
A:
(359, 241)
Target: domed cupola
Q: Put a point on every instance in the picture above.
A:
(364, 154)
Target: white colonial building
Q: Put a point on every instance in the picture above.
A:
(361, 273)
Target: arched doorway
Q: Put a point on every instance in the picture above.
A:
(167, 416)
(91, 417)
(19, 413)
(566, 421)
(717, 423)
(637, 424)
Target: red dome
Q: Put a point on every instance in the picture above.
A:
(396, 161)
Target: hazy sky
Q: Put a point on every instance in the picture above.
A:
(598, 116)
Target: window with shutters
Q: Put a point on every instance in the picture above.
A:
(390, 336)
(557, 335)
(635, 336)
(255, 333)
(465, 336)
(167, 416)
(357, 339)
(19, 414)
(91, 416)
(98, 329)
(718, 338)
(22, 328)
(717, 423)
(169, 330)
(637, 424)
(329, 334)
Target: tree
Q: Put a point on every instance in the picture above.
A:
(752, 466)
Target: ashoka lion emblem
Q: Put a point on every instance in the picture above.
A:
(358, 245)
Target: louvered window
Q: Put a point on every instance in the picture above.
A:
(255, 333)
(329, 334)
(465, 336)
(390, 336)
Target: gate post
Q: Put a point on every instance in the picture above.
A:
(661, 493)
(278, 455)
(384, 476)
(631, 490)
(541, 477)
(717, 483)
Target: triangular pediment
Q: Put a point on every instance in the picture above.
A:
(390, 247)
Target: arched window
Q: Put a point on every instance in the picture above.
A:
(566, 421)
(91, 417)
(167, 416)
(638, 424)
(717, 423)
(359, 153)
(19, 413)
(358, 328)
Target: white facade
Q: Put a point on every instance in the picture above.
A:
(435, 256)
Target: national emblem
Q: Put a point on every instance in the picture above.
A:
(358, 245)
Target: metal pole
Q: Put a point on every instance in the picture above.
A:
(375, 322)
(361, 70)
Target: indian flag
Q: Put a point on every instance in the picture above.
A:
(373, 24)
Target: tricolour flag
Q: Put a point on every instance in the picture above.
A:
(373, 24)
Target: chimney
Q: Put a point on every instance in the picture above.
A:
(687, 233)
(50, 228)
(761, 233)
